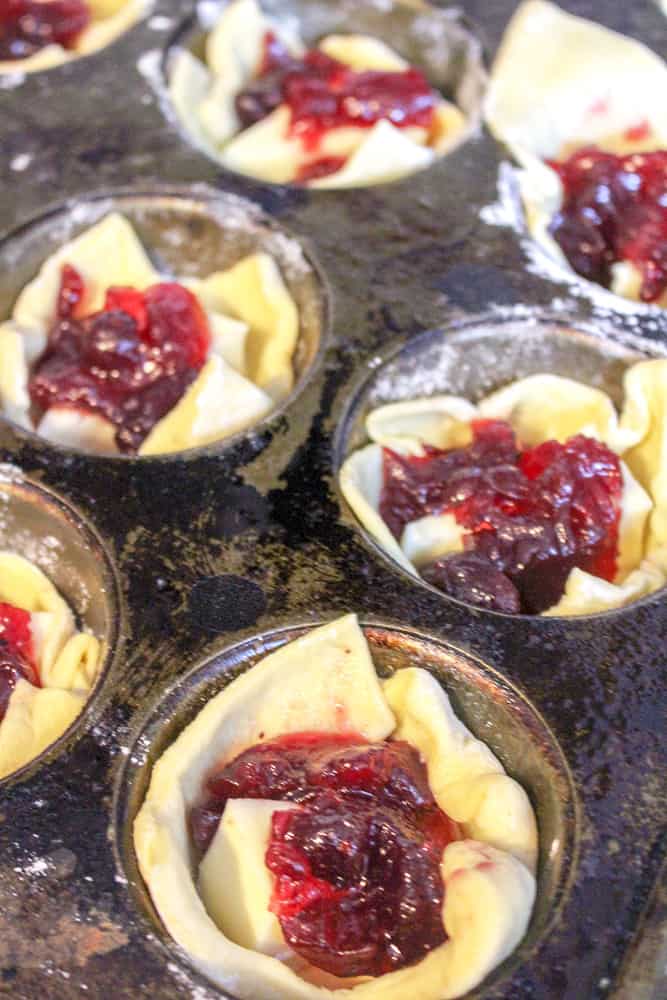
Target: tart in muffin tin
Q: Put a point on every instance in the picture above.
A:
(240, 540)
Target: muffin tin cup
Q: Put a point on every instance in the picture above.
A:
(41, 526)
(239, 541)
(493, 709)
(187, 233)
(510, 207)
(474, 358)
(442, 43)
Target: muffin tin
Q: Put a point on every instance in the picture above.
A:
(218, 555)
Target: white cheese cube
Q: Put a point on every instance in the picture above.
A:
(235, 883)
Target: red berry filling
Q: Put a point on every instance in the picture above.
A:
(16, 653)
(358, 889)
(530, 517)
(323, 167)
(324, 94)
(26, 26)
(130, 362)
(615, 209)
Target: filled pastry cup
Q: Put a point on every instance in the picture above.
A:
(326, 680)
(30, 42)
(59, 625)
(157, 325)
(590, 136)
(573, 527)
(235, 92)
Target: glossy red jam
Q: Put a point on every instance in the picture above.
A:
(323, 94)
(615, 209)
(26, 26)
(130, 363)
(530, 516)
(323, 167)
(16, 652)
(358, 889)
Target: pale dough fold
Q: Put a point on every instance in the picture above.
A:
(68, 662)
(645, 416)
(198, 418)
(539, 408)
(588, 86)
(204, 99)
(467, 780)
(254, 292)
(110, 18)
(326, 681)
(440, 421)
(550, 407)
(254, 326)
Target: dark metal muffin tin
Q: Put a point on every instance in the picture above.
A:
(224, 552)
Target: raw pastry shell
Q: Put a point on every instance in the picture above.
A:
(110, 18)
(539, 408)
(326, 681)
(254, 324)
(588, 86)
(203, 96)
(68, 662)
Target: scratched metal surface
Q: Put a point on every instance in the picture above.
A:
(215, 551)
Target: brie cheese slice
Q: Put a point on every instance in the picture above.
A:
(74, 429)
(219, 403)
(235, 883)
(432, 537)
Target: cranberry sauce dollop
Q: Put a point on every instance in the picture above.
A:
(614, 209)
(26, 26)
(130, 362)
(358, 889)
(16, 653)
(530, 516)
(323, 94)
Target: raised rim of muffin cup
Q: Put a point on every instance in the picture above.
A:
(67, 219)
(490, 704)
(610, 348)
(550, 268)
(194, 27)
(86, 578)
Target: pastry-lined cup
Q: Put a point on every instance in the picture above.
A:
(47, 531)
(594, 87)
(110, 20)
(486, 703)
(438, 42)
(188, 236)
(473, 362)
